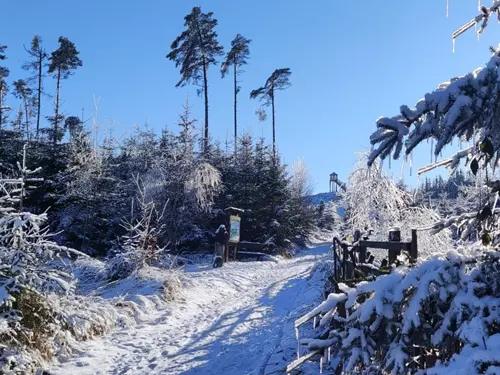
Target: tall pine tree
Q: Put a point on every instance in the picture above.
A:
(236, 57)
(279, 80)
(38, 56)
(194, 50)
(62, 63)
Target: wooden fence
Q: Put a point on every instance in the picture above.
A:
(348, 258)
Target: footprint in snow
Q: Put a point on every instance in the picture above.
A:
(153, 365)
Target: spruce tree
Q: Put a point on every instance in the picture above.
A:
(243, 188)
(236, 57)
(279, 80)
(194, 50)
(63, 61)
(38, 56)
(89, 197)
(275, 190)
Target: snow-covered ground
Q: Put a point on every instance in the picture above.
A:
(237, 319)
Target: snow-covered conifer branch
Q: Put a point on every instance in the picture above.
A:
(466, 108)
(460, 108)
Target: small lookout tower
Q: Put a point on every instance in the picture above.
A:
(335, 183)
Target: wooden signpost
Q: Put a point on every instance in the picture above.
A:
(234, 224)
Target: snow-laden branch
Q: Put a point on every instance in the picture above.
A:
(462, 107)
(483, 16)
(451, 163)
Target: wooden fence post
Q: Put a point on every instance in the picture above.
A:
(362, 254)
(394, 236)
(414, 246)
(345, 255)
(335, 260)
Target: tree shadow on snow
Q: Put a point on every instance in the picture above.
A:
(241, 341)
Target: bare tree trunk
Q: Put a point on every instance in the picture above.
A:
(205, 89)
(274, 123)
(56, 118)
(39, 94)
(23, 180)
(28, 135)
(235, 108)
(1, 104)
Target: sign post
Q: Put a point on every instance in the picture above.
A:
(234, 225)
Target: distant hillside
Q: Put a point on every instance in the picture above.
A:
(330, 199)
(323, 197)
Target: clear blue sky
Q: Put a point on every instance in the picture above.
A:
(351, 62)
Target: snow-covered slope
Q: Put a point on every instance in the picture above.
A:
(237, 319)
(323, 197)
(331, 199)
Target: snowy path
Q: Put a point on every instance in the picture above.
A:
(237, 319)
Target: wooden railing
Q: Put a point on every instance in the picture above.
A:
(356, 255)
(350, 257)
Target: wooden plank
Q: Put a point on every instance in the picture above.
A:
(299, 361)
(235, 251)
(391, 246)
(334, 248)
(304, 319)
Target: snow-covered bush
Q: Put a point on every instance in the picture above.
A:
(139, 247)
(183, 182)
(445, 309)
(88, 272)
(375, 201)
(28, 273)
(39, 314)
(300, 211)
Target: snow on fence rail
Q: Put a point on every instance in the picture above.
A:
(335, 300)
